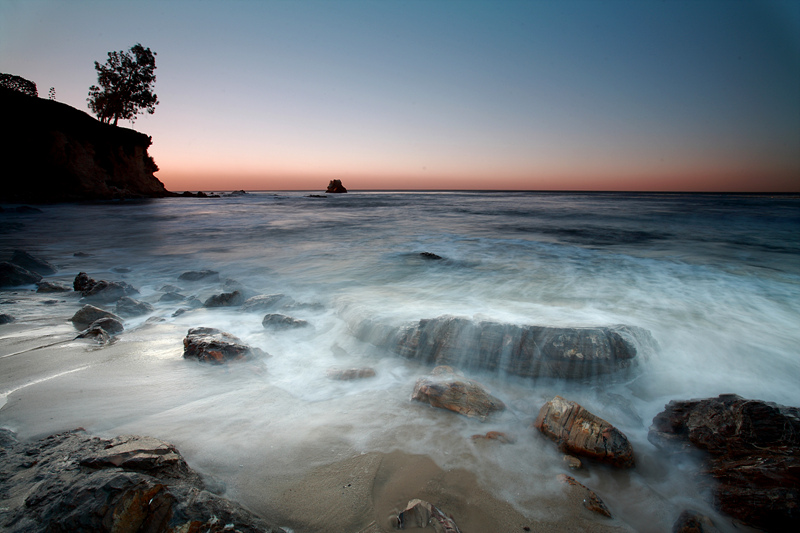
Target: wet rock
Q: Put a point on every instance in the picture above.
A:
(95, 333)
(529, 351)
(75, 482)
(590, 500)
(335, 186)
(127, 306)
(448, 390)
(281, 322)
(83, 282)
(753, 454)
(108, 291)
(579, 432)
(12, 275)
(197, 275)
(88, 314)
(499, 436)
(33, 264)
(211, 345)
(266, 302)
(572, 462)
(350, 373)
(419, 514)
(50, 286)
(172, 297)
(430, 256)
(692, 522)
(110, 325)
(226, 299)
(6, 319)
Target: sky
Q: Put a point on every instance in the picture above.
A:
(649, 95)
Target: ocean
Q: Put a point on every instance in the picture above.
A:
(713, 278)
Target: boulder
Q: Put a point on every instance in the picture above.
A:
(83, 282)
(753, 454)
(280, 322)
(95, 333)
(88, 314)
(172, 297)
(350, 373)
(419, 514)
(108, 291)
(75, 482)
(430, 256)
(34, 264)
(692, 522)
(335, 186)
(50, 286)
(528, 351)
(12, 275)
(127, 306)
(266, 302)
(6, 319)
(590, 500)
(226, 299)
(448, 390)
(197, 275)
(211, 345)
(579, 432)
(110, 325)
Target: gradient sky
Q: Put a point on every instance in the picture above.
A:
(567, 95)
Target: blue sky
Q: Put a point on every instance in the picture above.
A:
(635, 95)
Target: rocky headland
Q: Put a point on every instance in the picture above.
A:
(52, 152)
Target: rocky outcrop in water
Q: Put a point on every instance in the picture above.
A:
(446, 389)
(127, 306)
(225, 299)
(529, 351)
(12, 275)
(211, 345)
(335, 186)
(52, 152)
(102, 291)
(88, 314)
(75, 482)
(197, 275)
(277, 321)
(753, 454)
(32, 263)
(579, 432)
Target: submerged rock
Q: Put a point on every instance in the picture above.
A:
(692, 522)
(6, 319)
(579, 432)
(754, 454)
(590, 500)
(335, 186)
(12, 275)
(529, 351)
(350, 373)
(448, 390)
(88, 314)
(127, 306)
(102, 291)
(278, 321)
(430, 256)
(34, 264)
(226, 299)
(197, 275)
(266, 302)
(211, 345)
(50, 286)
(75, 482)
(499, 436)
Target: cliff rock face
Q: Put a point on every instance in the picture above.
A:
(52, 152)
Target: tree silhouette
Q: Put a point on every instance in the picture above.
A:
(51, 94)
(18, 83)
(125, 81)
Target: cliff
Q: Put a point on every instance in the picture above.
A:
(52, 152)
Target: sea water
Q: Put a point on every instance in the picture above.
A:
(715, 279)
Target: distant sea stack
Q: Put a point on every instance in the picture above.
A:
(52, 152)
(335, 186)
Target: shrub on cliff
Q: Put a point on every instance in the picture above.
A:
(18, 84)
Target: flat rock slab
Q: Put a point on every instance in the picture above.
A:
(211, 345)
(579, 432)
(754, 454)
(448, 390)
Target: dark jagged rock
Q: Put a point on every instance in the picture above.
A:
(226, 299)
(579, 432)
(278, 321)
(430, 256)
(88, 314)
(753, 454)
(211, 345)
(448, 390)
(127, 306)
(83, 282)
(12, 275)
(529, 351)
(108, 291)
(6, 319)
(52, 152)
(34, 264)
(50, 286)
(335, 186)
(75, 482)
(197, 275)
(266, 302)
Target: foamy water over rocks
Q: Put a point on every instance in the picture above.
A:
(619, 303)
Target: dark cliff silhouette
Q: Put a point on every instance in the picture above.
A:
(335, 186)
(52, 152)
